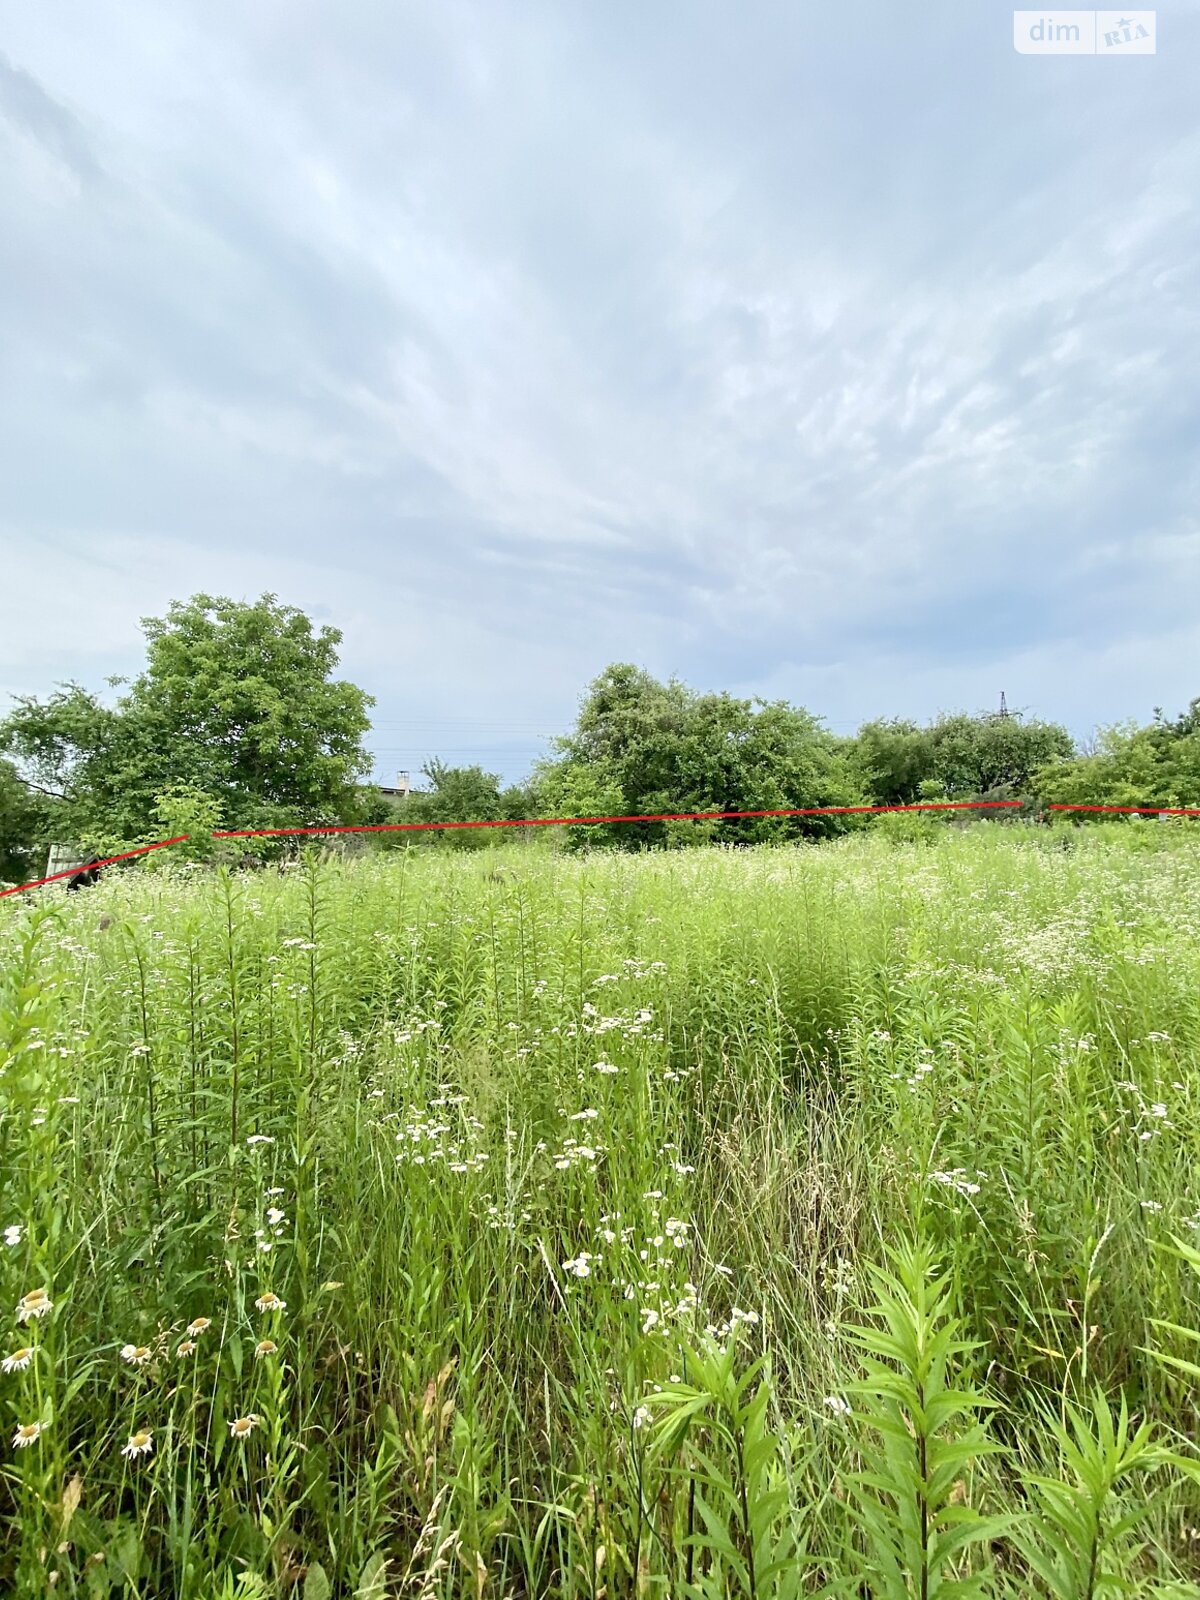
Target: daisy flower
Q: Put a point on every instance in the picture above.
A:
(198, 1325)
(265, 1347)
(27, 1433)
(186, 1347)
(37, 1303)
(140, 1444)
(18, 1360)
(270, 1301)
(242, 1427)
(137, 1355)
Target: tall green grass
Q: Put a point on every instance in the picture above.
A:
(766, 1222)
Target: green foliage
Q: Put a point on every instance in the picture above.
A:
(993, 757)
(25, 821)
(713, 1431)
(187, 812)
(1082, 1542)
(371, 807)
(459, 794)
(185, 809)
(893, 758)
(910, 1497)
(575, 788)
(250, 690)
(645, 748)
(1188, 1336)
(567, 1173)
(1153, 765)
(909, 827)
(958, 757)
(236, 703)
(452, 794)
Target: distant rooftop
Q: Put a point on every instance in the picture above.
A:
(400, 788)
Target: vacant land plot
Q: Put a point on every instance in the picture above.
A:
(407, 1227)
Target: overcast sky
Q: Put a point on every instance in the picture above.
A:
(833, 353)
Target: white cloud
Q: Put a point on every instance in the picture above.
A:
(760, 349)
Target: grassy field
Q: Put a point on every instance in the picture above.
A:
(766, 1223)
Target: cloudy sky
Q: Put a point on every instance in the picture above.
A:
(840, 354)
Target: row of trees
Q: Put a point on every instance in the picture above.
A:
(641, 747)
(238, 721)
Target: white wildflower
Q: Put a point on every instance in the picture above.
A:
(37, 1303)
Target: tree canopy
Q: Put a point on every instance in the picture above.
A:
(643, 747)
(237, 706)
(1154, 764)
(957, 757)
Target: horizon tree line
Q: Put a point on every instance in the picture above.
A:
(238, 721)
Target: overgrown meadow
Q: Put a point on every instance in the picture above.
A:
(773, 1222)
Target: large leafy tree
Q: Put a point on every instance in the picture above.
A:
(760, 755)
(994, 756)
(237, 703)
(642, 747)
(631, 728)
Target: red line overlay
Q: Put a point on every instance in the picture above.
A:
(555, 822)
(73, 872)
